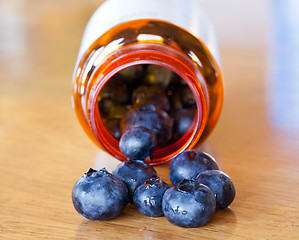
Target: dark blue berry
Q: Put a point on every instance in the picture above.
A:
(189, 164)
(158, 75)
(137, 143)
(183, 120)
(148, 197)
(221, 185)
(188, 204)
(134, 173)
(150, 95)
(99, 195)
(149, 117)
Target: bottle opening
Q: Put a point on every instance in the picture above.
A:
(172, 101)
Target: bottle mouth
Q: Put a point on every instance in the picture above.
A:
(145, 56)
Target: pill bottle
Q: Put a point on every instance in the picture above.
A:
(173, 34)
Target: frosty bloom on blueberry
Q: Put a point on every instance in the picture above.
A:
(148, 197)
(134, 173)
(189, 164)
(183, 120)
(98, 195)
(188, 204)
(137, 143)
(152, 118)
(221, 185)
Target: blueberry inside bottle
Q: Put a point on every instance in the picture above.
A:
(150, 74)
(145, 98)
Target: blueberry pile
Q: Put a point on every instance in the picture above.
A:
(199, 188)
(99, 195)
(146, 107)
(151, 98)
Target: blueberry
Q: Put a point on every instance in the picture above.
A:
(183, 120)
(134, 173)
(150, 95)
(188, 204)
(149, 117)
(157, 75)
(115, 90)
(137, 143)
(148, 197)
(221, 185)
(189, 164)
(99, 195)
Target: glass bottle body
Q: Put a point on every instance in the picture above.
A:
(148, 42)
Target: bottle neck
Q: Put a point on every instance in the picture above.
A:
(157, 54)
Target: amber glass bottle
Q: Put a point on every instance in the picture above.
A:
(173, 34)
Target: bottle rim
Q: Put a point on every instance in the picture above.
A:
(157, 54)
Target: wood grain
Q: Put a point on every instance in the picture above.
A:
(43, 150)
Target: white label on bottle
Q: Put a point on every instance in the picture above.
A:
(183, 13)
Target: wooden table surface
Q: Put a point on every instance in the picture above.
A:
(43, 149)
